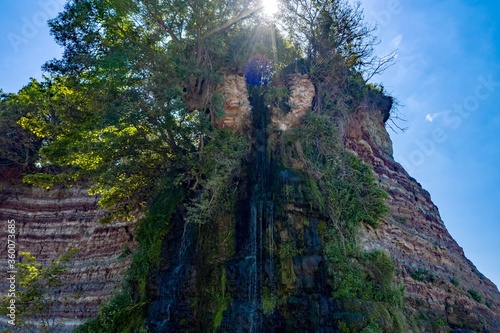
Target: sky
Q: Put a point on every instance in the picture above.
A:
(446, 79)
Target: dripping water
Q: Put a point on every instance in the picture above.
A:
(261, 221)
(166, 308)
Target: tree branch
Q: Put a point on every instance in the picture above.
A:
(229, 23)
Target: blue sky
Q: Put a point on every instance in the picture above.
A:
(25, 41)
(447, 79)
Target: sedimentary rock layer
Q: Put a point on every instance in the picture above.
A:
(436, 274)
(50, 223)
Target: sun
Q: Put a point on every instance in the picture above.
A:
(270, 7)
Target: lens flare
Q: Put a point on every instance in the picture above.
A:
(270, 7)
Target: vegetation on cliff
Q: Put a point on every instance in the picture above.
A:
(131, 110)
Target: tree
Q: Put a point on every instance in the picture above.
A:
(131, 100)
(34, 300)
(19, 147)
(334, 29)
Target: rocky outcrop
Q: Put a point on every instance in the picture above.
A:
(260, 267)
(438, 278)
(301, 97)
(50, 223)
(237, 107)
(272, 274)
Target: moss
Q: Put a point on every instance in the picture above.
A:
(343, 327)
(288, 277)
(359, 315)
(455, 281)
(345, 192)
(214, 212)
(322, 227)
(422, 274)
(439, 322)
(215, 247)
(372, 328)
(269, 301)
(223, 298)
(288, 250)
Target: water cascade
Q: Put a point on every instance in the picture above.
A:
(255, 229)
(270, 276)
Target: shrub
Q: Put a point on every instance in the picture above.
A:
(475, 295)
(423, 274)
(126, 311)
(455, 281)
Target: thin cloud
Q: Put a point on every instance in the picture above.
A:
(431, 117)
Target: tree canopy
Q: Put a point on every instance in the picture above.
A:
(133, 98)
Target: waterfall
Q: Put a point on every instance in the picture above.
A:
(261, 217)
(167, 307)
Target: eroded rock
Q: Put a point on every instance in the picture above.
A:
(301, 97)
(237, 108)
(428, 258)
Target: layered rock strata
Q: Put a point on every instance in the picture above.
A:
(49, 224)
(436, 274)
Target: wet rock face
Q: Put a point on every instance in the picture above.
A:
(436, 274)
(275, 277)
(48, 224)
(237, 107)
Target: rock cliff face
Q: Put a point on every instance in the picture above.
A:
(436, 274)
(48, 224)
(261, 266)
(273, 276)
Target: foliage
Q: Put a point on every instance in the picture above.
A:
(19, 147)
(213, 209)
(132, 97)
(343, 188)
(131, 107)
(439, 322)
(35, 295)
(423, 274)
(269, 301)
(455, 281)
(475, 295)
(349, 193)
(217, 171)
(140, 79)
(333, 30)
(288, 250)
(110, 145)
(372, 328)
(132, 301)
(223, 299)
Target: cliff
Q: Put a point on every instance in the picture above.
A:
(436, 274)
(277, 272)
(51, 222)
(283, 235)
